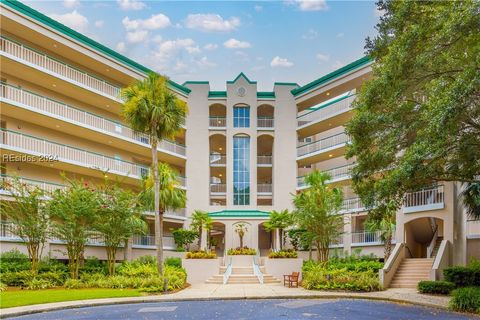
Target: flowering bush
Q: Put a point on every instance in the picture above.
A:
(201, 255)
(283, 254)
(241, 251)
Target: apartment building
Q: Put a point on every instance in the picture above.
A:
(242, 153)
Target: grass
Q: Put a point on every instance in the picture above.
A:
(16, 298)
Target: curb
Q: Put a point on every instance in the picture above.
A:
(108, 301)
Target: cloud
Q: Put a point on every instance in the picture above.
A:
(131, 5)
(322, 57)
(211, 23)
(257, 68)
(73, 20)
(71, 3)
(137, 36)
(99, 23)
(210, 46)
(311, 34)
(308, 5)
(204, 63)
(281, 62)
(168, 49)
(258, 8)
(236, 44)
(121, 47)
(156, 21)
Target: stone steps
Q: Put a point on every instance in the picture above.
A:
(411, 272)
(242, 275)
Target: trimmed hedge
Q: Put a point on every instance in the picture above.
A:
(283, 254)
(200, 255)
(435, 287)
(241, 251)
(466, 300)
(463, 276)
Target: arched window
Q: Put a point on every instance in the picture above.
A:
(241, 170)
(241, 117)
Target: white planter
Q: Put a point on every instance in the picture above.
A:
(280, 267)
(199, 270)
(240, 260)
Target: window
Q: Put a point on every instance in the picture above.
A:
(241, 117)
(241, 170)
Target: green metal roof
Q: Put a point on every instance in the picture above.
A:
(266, 94)
(286, 84)
(217, 94)
(241, 75)
(332, 75)
(195, 82)
(32, 13)
(239, 214)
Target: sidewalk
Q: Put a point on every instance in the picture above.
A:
(240, 291)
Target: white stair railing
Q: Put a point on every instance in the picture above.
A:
(228, 272)
(256, 268)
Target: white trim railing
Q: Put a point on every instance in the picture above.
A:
(176, 212)
(366, 237)
(6, 231)
(217, 122)
(256, 269)
(228, 272)
(218, 160)
(352, 204)
(339, 139)
(328, 110)
(46, 186)
(75, 115)
(265, 188)
(264, 160)
(149, 241)
(36, 146)
(218, 188)
(425, 199)
(338, 173)
(55, 66)
(265, 122)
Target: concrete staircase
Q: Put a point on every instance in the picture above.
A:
(242, 275)
(437, 246)
(411, 272)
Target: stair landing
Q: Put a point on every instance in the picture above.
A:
(242, 275)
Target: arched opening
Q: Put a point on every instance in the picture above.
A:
(247, 240)
(264, 170)
(265, 116)
(218, 171)
(217, 238)
(422, 236)
(264, 240)
(217, 115)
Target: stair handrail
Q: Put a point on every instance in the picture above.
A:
(433, 243)
(256, 268)
(227, 272)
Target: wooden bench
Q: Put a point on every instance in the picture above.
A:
(291, 279)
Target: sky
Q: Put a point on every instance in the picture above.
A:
(284, 41)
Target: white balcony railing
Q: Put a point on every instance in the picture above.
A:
(264, 160)
(177, 212)
(218, 188)
(35, 146)
(265, 122)
(218, 122)
(265, 188)
(64, 111)
(425, 199)
(338, 173)
(149, 241)
(7, 231)
(366, 237)
(218, 160)
(46, 186)
(41, 60)
(352, 205)
(335, 107)
(473, 229)
(323, 144)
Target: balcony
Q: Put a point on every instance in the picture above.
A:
(337, 112)
(326, 148)
(264, 161)
(264, 189)
(218, 123)
(40, 147)
(218, 160)
(265, 123)
(28, 56)
(338, 174)
(5, 180)
(37, 103)
(174, 214)
(218, 189)
(337, 243)
(148, 242)
(473, 229)
(424, 200)
(362, 238)
(352, 205)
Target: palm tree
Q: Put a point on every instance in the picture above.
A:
(471, 199)
(201, 221)
(169, 196)
(279, 220)
(150, 107)
(383, 219)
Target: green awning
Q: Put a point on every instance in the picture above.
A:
(239, 214)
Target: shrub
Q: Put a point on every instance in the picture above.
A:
(16, 279)
(177, 277)
(93, 265)
(56, 278)
(146, 260)
(3, 286)
(283, 254)
(13, 261)
(466, 300)
(435, 287)
(136, 269)
(463, 276)
(174, 262)
(201, 255)
(38, 284)
(241, 251)
(48, 264)
(74, 284)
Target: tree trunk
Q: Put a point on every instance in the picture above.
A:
(310, 251)
(387, 250)
(280, 231)
(158, 218)
(322, 252)
(33, 253)
(111, 255)
(200, 238)
(241, 241)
